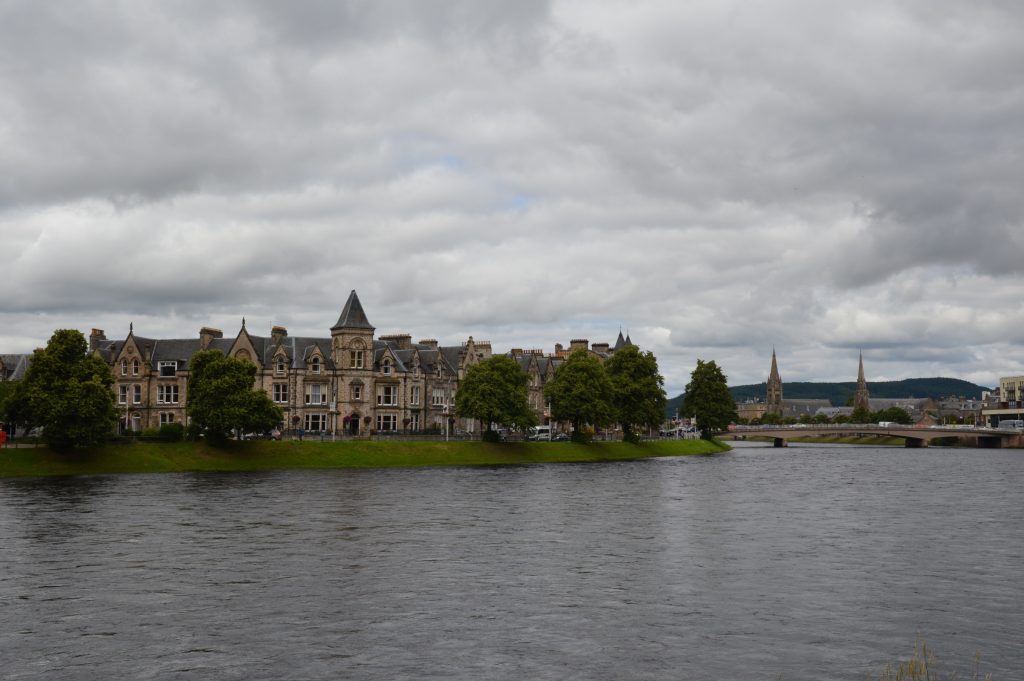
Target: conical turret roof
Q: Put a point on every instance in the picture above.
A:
(352, 315)
(619, 342)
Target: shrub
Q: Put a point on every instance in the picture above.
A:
(172, 432)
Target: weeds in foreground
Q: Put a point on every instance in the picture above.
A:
(922, 667)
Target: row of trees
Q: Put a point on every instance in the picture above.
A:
(860, 415)
(67, 392)
(626, 390)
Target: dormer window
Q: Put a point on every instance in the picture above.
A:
(135, 367)
(385, 366)
(315, 365)
(279, 366)
(168, 369)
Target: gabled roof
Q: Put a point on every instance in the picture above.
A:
(14, 366)
(352, 315)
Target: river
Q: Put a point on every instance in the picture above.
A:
(809, 562)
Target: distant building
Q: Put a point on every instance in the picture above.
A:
(1010, 404)
(773, 397)
(861, 398)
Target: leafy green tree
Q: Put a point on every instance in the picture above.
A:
(708, 398)
(771, 418)
(638, 393)
(581, 392)
(495, 391)
(861, 415)
(66, 391)
(894, 414)
(221, 397)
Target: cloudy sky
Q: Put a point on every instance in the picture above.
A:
(715, 177)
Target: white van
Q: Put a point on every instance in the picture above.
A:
(540, 433)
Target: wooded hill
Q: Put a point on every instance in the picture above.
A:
(839, 393)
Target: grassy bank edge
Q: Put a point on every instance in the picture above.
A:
(269, 455)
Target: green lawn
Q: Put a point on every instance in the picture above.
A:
(150, 457)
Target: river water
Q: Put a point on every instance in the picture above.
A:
(809, 562)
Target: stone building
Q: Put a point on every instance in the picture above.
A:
(861, 397)
(773, 399)
(349, 383)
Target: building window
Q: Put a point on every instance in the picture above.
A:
(355, 358)
(279, 367)
(357, 392)
(385, 366)
(315, 394)
(168, 369)
(414, 421)
(124, 367)
(167, 394)
(387, 422)
(135, 367)
(280, 392)
(315, 365)
(166, 418)
(136, 394)
(414, 395)
(316, 423)
(122, 394)
(437, 397)
(387, 395)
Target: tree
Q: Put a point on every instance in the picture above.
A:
(581, 392)
(638, 395)
(67, 392)
(221, 397)
(861, 415)
(892, 414)
(708, 398)
(495, 391)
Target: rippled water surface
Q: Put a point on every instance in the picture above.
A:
(811, 562)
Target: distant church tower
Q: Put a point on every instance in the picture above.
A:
(774, 398)
(860, 397)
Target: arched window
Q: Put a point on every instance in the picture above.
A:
(135, 367)
(124, 367)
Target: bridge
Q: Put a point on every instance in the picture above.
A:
(913, 436)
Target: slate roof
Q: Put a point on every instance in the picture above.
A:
(14, 366)
(352, 315)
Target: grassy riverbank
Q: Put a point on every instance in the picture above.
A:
(145, 457)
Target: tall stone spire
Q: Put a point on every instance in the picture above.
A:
(861, 397)
(774, 397)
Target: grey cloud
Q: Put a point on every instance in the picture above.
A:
(721, 177)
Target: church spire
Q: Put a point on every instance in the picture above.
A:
(861, 398)
(774, 396)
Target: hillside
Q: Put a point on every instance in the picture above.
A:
(839, 393)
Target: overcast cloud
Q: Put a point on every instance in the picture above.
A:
(717, 178)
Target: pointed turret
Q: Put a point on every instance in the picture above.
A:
(619, 342)
(352, 337)
(774, 396)
(352, 315)
(861, 396)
